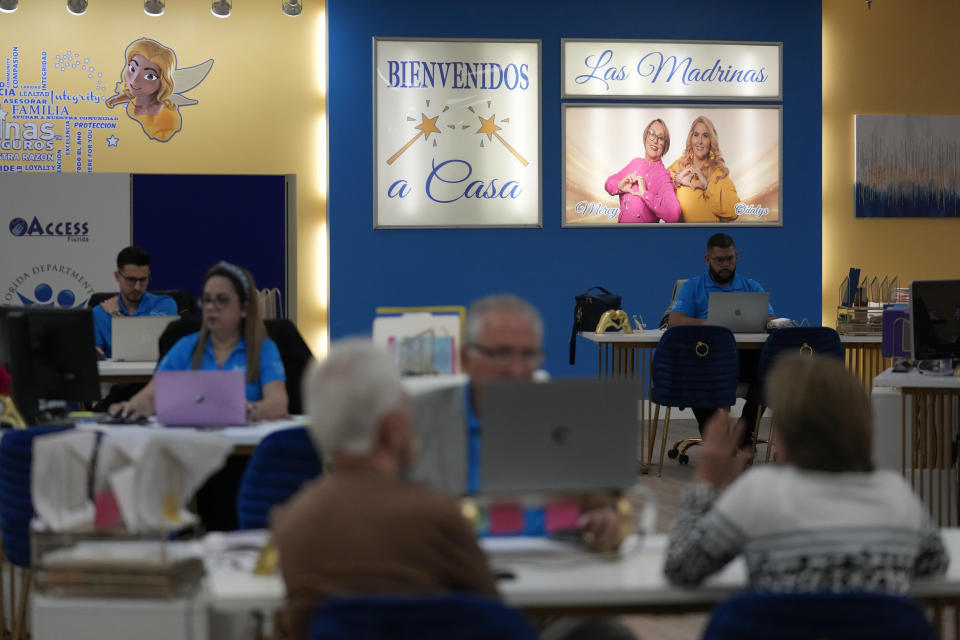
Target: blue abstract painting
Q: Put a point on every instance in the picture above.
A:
(907, 166)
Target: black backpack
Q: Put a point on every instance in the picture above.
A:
(587, 311)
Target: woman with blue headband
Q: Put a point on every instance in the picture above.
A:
(232, 337)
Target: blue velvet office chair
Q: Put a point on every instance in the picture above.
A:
(418, 617)
(820, 616)
(693, 366)
(822, 341)
(16, 511)
(279, 466)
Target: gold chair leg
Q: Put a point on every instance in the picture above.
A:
(12, 596)
(652, 440)
(769, 441)
(663, 441)
(20, 619)
(756, 427)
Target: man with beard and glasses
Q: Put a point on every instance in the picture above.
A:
(690, 307)
(132, 276)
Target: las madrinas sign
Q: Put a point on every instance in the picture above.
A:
(671, 69)
(457, 133)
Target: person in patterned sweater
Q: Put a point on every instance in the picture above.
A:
(823, 519)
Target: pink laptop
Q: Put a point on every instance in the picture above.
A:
(200, 398)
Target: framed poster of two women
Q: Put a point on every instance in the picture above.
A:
(642, 165)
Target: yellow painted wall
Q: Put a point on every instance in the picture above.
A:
(897, 57)
(261, 109)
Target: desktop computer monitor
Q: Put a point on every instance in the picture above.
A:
(50, 355)
(935, 316)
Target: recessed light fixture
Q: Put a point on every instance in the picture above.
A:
(77, 7)
(153, 7)
(291, 7)
(221, 8)
(8, 6)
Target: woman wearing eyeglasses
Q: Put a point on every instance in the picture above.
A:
(645, 187)
(702, 179)
(232, 337)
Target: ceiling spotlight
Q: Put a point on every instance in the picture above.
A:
(153, 7)
(8, 6)
(76, 7)
(221, 8)
(291, 7)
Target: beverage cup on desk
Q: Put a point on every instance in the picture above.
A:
(637, 510)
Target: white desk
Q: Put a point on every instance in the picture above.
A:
(583, 584)
(915, 422)
(579, 585)
(56, 618)
(119, 372)
(243, 438)
(628, 354)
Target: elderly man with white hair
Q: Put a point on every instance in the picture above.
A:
(361, 528)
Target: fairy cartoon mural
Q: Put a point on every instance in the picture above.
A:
(152, 87)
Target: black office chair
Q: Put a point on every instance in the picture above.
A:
(296, 355)
(665, 318)
(186, 305)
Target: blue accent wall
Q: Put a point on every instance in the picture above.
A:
(548, 266)
(188, 223)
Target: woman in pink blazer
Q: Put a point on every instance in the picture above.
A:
(645, 187)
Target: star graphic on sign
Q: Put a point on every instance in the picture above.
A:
(112, 140)
(490, 128)
(426, 127)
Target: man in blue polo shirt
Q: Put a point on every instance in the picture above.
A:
(690, 307)
(132, 276)
(503, 341)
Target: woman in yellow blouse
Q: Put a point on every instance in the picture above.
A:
(702, 179)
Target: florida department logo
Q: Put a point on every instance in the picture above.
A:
(18, 226)
(48, 285)
(43, 297)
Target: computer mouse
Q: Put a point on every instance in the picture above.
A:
(779, 323)
(902, 365)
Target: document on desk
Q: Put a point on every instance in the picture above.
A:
(499, 546)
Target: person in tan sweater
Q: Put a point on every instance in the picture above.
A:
(362, 528)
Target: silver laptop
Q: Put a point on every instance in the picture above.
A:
(134, 338)
(564, 435)
(739, 311)
(199, 398)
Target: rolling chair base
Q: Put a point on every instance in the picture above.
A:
(680, 447)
